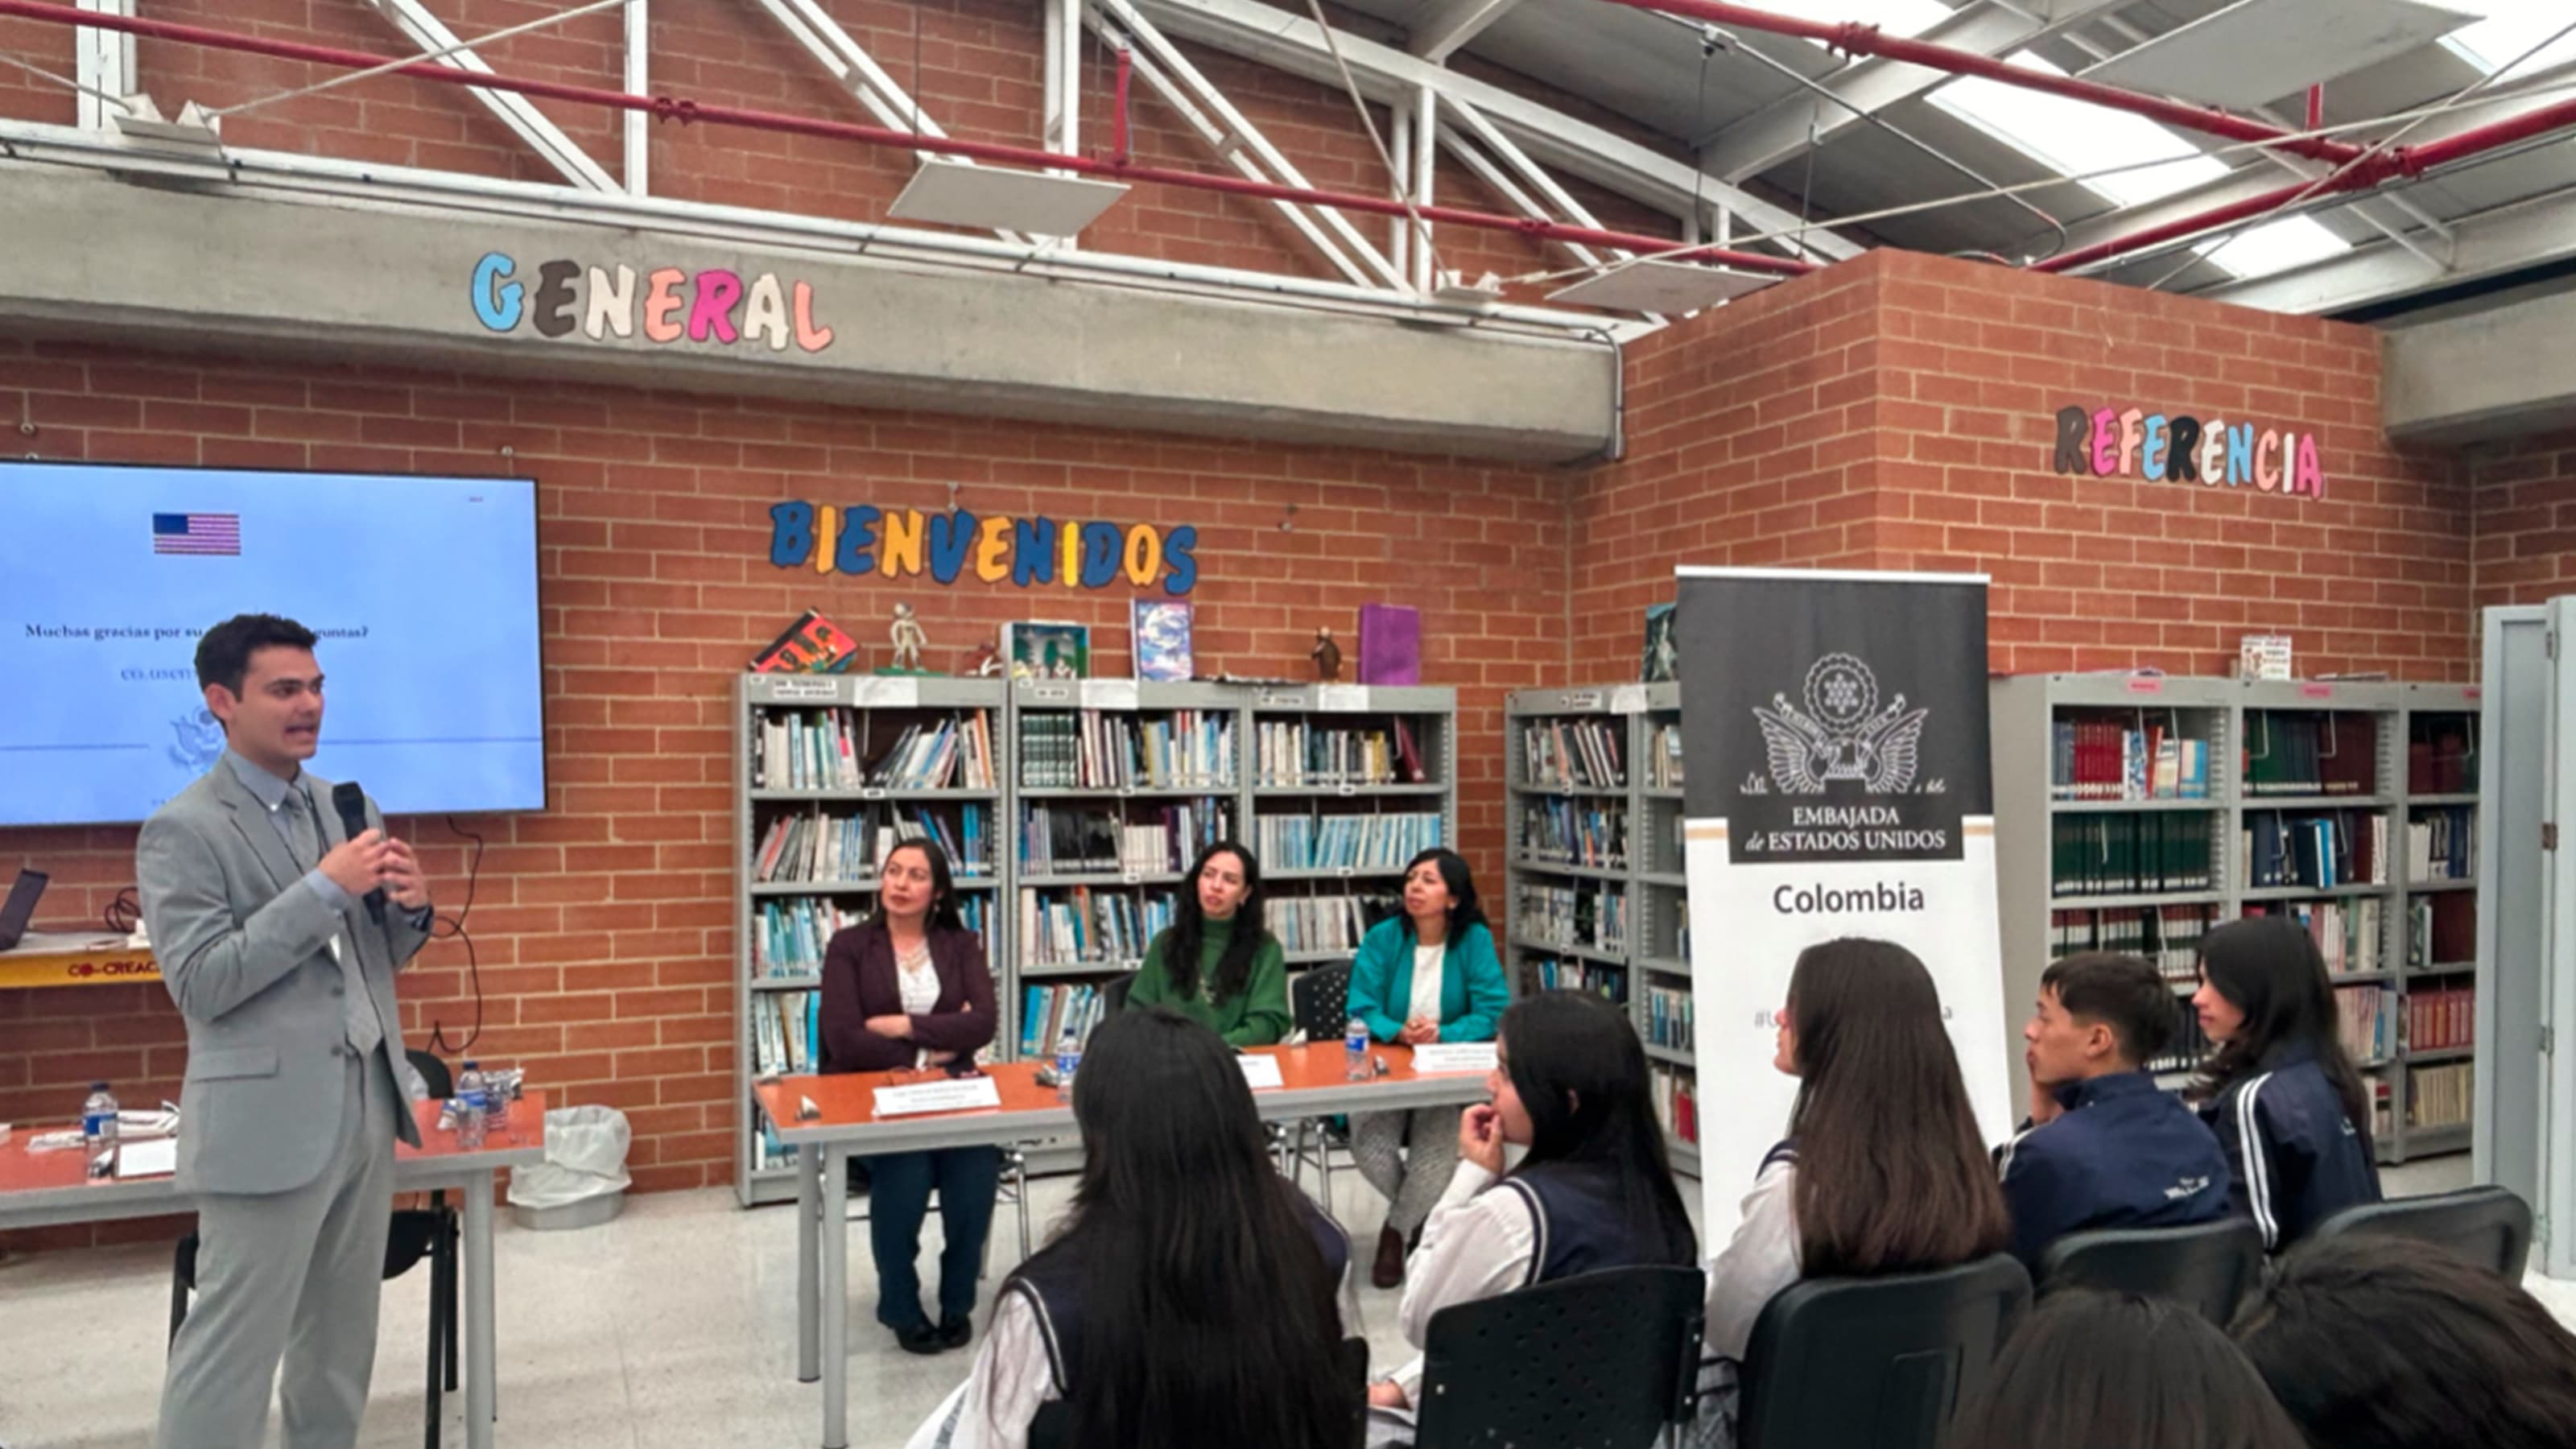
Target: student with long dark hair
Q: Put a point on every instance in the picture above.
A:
(2377, 1342)
(906, 989)
(1217, 963)
(1193, 1296)
(1884, 1170)
(1594, 1190)
(2279, 1090)
(2091, 1370)
(1428, 974)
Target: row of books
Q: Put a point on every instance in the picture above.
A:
(2121, 757)
(1047, 1012)
(1669, 1019)
(2439, 1018)
(2311, 752)
(828, 749)
(1344, 842)
(2441, 1096)
(1676, 1093)
(2442, 930)
(1325, 923)
(1562, 831)
(1296, 752)
(2441, 844)
(793, 934)
(787, 1033)
(2169, 936)
(1161, 839)
(1594, 918)
(2366, 1017)
(1094, 749)
(2189, 1048)
(2348, 932)
(1664, 758)
(2321, 852)
(1556, 973)
(1582, 753)
(1083, 927)
(2104, 855)
(821, 847)
(2442, 755)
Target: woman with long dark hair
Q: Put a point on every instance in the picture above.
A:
(2280, 1091)
(1884, 1170)
(1593, 1191)
(2112, 1371)
(906, 989)
(1426, 974)
(1193, 1296)
(1217, 963)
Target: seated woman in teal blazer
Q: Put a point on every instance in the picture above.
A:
(1429, 974)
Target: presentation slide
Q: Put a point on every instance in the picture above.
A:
(424, 591)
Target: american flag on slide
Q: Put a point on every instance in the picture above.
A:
(205, 533)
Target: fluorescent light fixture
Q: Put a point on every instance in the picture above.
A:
(1005, 200)
(1661, 287)
(2256, 51)
(2076, 137)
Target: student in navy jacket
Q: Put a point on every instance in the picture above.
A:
(2279, 1090)
(2104, 1148)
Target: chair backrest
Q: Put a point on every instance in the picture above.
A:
(1597, 1361)
(1875, 1363)
(2490, 1226)
(2206, 1267)
(1052, 1426)
(433, 1073)
(1113, 994)
(1321, 1001)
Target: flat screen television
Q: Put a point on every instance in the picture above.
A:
(423, 589)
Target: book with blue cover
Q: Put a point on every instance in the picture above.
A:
(1162, 638)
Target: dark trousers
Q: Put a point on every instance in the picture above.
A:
(899, 1198)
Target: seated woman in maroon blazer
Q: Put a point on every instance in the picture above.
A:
(908, 988)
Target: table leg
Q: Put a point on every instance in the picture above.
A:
(835, 1227)
(811, 1201)
(480, 1358)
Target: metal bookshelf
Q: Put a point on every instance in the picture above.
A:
(1648, 873)
(2229, 715)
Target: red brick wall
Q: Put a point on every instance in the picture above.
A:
(2525, 498)
(604, 925)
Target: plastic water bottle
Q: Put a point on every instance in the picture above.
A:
(1355, 1042)
(1068, 1057)
(98, 1131)
(473, 1106)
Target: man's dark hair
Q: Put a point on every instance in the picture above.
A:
(223, 655)
(2113, 1371)
(2124, 993)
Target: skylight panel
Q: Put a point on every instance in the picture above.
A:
(2275, 246)
(2510, 28)
(2077, 137)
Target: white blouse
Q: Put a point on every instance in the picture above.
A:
(1427, 961)
(917, 984)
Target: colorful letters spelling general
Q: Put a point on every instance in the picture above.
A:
(2134, 443)
(905, 541)
(667, 304)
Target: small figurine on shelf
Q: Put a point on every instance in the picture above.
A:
(909, 641)
(988, 660)
(1327, 656)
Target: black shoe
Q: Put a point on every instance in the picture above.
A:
(920, 1338)
(956, 1332)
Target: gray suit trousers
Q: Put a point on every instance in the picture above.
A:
(293, 1276)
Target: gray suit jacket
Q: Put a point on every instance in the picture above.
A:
(245, 948)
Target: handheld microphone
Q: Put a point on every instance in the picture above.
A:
(351, 802)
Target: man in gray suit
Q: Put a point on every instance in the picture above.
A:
(262, 917)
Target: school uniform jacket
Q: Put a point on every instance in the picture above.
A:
(2298, 1158)
(2125, 1155)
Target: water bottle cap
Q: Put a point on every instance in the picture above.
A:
(98, 1086)
(473, 1066)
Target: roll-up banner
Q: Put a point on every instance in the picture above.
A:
(1837, 782)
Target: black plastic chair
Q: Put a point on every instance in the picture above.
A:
(1052, 1427)
(1113, 993)
(413, 1234)
(1875, 1363)
(2489, 1226)
(1319, 1000)
(1605, 1360)
(2206, 1267)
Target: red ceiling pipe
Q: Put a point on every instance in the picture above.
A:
(2373, 171)
(686, 112)
(1126, 68)
(1858, 39)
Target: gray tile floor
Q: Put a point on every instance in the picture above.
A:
(671, 1328)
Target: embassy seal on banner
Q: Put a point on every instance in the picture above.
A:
(1837, 783)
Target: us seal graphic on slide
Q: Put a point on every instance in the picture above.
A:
(1842, 734)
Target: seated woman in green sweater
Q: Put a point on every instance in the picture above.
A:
(1217, 964)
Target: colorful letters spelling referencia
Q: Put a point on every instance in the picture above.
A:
(2134, 443)
(905, 542)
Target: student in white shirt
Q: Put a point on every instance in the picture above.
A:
(1594, 1190)
(1883, 1171)
(1193, 1297)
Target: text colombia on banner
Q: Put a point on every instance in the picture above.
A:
(1837, 782)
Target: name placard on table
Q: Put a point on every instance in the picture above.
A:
(1260, 1073)
(1441, 1058)
(956, 1094)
